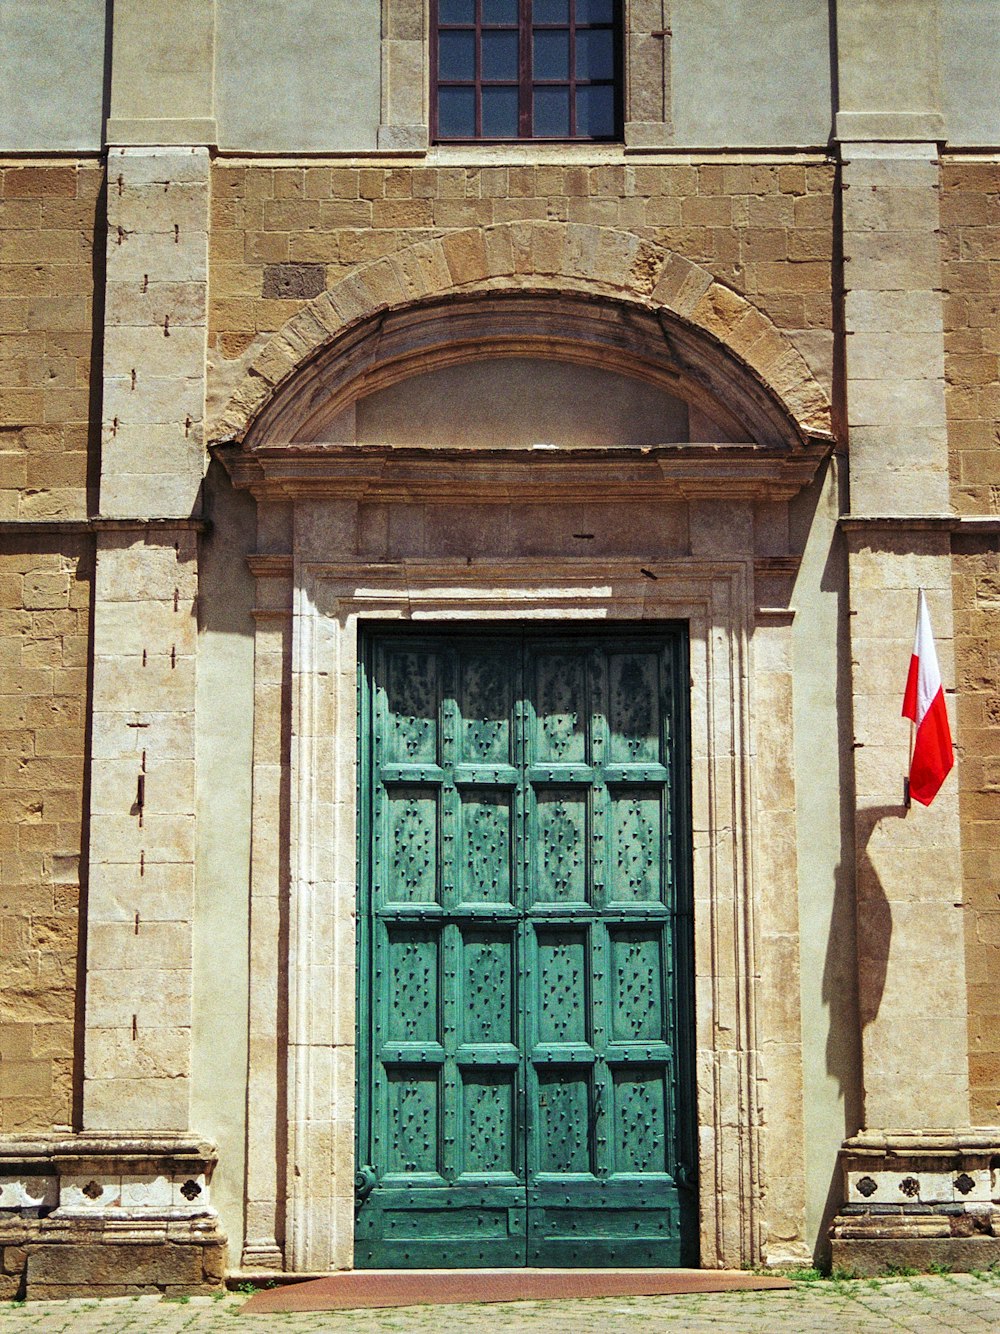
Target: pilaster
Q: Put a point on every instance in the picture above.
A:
(266, 1106)
(404, 116)
(911, 1179)
(137, 1067)
(163, 75)
(778, 1007)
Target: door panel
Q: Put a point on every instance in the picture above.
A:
(524, 953)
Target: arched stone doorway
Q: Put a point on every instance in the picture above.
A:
(384, 498)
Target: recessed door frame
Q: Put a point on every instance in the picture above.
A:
(328, 601)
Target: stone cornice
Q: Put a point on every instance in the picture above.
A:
(43, 1148)
(975, 1139)
(96, 524)
(940, 523)
(526, 476)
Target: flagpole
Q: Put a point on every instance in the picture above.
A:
(909, 766)
(913, 732)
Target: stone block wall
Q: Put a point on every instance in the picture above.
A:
(44, 614)
(282, 234)
(49, 213)
(47, 224)
(970, 217)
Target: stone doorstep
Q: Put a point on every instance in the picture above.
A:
(364, 1289)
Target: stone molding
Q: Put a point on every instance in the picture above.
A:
(460, 477)
(741, 1060)
(536, 257)
(124, 1176)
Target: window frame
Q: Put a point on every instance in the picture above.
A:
(526, 84)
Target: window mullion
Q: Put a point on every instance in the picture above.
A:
(571, 72)
(524, 69)
(477, 71)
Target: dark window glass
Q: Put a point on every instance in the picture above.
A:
(551, 55)
(500, 113)
(500, 11)
(595, 54)
(500, 56)
(522, 69)
(457, 112)
(456, 11)
(595, 111)
(550, 11)
(595, 11)
(457, 58)
(551, 119)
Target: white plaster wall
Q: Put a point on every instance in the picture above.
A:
(51, 75)
(970, 71)
(297, 75)
(750, 72)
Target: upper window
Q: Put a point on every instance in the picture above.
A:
(526, 69)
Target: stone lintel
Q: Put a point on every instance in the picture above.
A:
(974, 1140)
(46, 527)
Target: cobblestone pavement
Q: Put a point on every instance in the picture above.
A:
(925, 1305)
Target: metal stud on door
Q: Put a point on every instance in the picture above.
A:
(524, 977)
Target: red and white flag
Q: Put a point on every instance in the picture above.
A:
(923, 703)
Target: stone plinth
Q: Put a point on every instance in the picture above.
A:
(919, 1198)
(108, 1216)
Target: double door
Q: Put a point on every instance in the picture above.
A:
(525, 1092)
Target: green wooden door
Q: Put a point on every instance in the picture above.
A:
(525, 1092)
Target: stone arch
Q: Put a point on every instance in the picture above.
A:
(540, 257)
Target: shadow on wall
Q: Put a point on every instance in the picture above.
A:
(853, 984)
(875, 933)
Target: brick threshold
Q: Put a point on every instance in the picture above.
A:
(370, 1288)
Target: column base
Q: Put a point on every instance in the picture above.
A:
(919, 1199)
(108, 1216)
(263, 1255)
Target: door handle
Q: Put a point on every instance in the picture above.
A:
(365, 1182)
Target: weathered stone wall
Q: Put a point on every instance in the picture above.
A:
(970, 215)
(281, 235)
(47, 220)
(44, 601)
(47, 228)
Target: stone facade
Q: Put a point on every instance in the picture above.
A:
(49, 216)
(43, 698)
(970, 218)
(210, 306)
